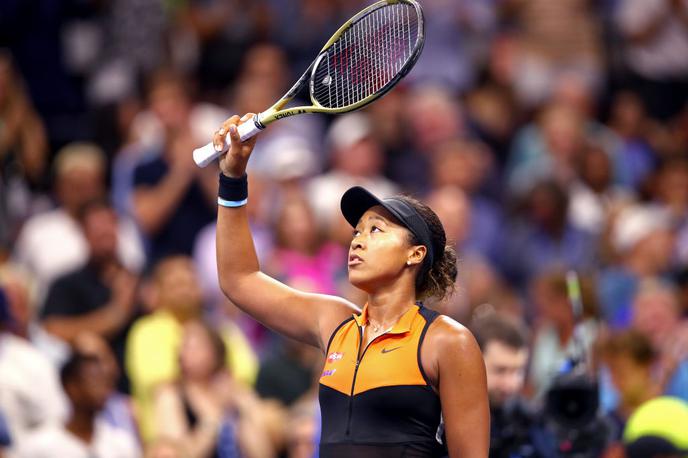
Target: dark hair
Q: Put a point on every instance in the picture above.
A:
(631, 343)
(501, 329)
(436, 280)
(71, 370)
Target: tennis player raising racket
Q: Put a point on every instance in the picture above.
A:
(399, 379)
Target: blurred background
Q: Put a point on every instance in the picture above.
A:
(549, 136)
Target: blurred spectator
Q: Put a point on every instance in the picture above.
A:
(656, 52)
(206, 409)
(302, 256)
(470, 166)
(153, 342)
(629, 120)
(656, 314)
(289, 373)
(101, 294)
(548, 150)
(477, 280)
(594, 196)
(504, 344)
(642, 237)
(302, 430)
(173, 199)
(554, 336)
(541, 237)
(432, 116)
(629, 357)
(118, 410)
(21, 291)
(455, 33)
(30, 392)
(555, 39)
(88, 387)
(51, 244)
(23, 151)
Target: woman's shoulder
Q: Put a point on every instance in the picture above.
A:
(447, 333)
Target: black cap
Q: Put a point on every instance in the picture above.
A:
(650, 446)
(357, 200)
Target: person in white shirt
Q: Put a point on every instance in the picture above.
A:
(52, 243)
(88, 386)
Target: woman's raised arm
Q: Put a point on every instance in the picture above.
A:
(309, 318)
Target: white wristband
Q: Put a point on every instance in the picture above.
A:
(231, 203)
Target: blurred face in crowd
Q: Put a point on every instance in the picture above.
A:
(596, 169)
(296, 226)
(547, 207)
(198, 357)
(177, 287)
(506, 371)
(17, 289)
(363, 158)
(79, 185)
(435, 118)
(454, 211)
(562, 130)
(552, 304)
(100, 230)
(630, 377)
(673, 185)
(92, 345)
(656, 250)
(461, 163)
(655, 314)
(90, 389)
(170, 103)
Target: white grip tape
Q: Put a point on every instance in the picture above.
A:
(206, 154)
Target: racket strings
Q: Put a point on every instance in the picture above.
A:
(369, 55)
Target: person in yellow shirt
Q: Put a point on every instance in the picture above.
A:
(153, 343)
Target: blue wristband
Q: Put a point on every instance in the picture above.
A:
(231, 203)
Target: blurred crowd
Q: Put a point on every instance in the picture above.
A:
(549, 137)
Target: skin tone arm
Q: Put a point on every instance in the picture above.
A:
(309, 318)
(153, 205)
(171, 422)
(456, 368)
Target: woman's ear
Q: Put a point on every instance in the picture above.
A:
(416, 255)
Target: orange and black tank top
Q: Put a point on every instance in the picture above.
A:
(380, 404)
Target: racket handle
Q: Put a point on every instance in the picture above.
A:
(206, 154)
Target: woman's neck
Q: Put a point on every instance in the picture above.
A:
(386, 305)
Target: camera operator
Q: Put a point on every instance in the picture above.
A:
(504, 344)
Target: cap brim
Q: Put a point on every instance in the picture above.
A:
(355, 202)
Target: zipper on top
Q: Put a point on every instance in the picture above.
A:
(358, 362)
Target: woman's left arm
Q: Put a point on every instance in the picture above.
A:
(463, 390)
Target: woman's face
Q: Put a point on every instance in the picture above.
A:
(379, 250)
(198, 358)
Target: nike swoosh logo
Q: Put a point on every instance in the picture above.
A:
(387, 350)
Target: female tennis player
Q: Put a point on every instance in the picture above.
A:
(399, 379)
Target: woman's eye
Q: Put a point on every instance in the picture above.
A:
(355, 233)
(375, 229)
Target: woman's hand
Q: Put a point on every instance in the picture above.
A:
(233, 163)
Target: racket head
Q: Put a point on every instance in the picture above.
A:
(367, 56)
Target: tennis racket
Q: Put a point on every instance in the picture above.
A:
(363, 60)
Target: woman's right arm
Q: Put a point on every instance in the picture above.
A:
(309, 318)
